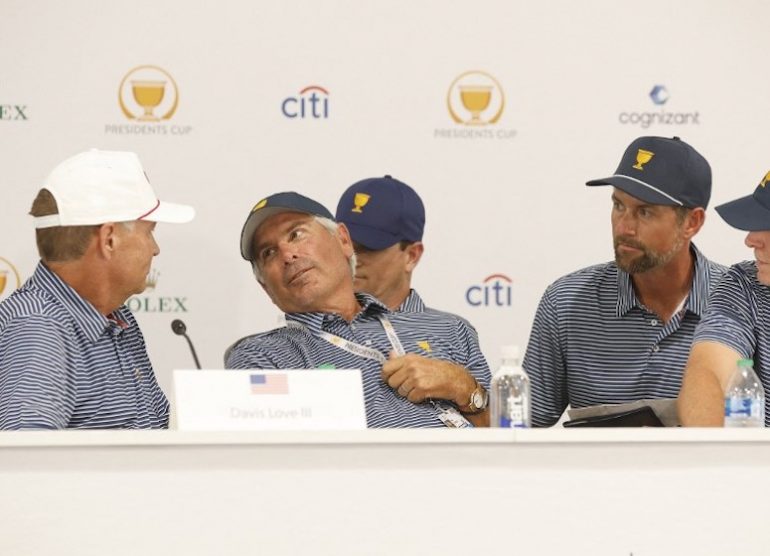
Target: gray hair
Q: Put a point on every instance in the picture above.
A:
(331, 227)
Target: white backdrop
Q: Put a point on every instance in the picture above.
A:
(502, 198)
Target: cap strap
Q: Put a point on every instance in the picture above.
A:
(647, 185)
(48, 221)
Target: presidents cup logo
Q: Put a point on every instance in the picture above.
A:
(475, 98)
(148, 96)
(475, 101)
(659, 96)
(359, 202)
(642, 158)
(496, 290)
(9, 278)
(148, 303)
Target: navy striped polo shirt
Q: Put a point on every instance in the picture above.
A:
(428, 333)
(65, 365)
(593, 342)
(738, 316)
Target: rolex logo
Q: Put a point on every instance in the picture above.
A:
(360, 201)
(765, 180)
(152, 280)
(642, 158)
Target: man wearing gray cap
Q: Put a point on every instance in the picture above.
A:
(71, 352)
(621, 331)
(737, 322)
(416, 370)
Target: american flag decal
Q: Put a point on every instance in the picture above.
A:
(269, 384)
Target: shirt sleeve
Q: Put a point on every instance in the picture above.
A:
(544, 364)
(248, 354)
(731, 316)
(33, 375)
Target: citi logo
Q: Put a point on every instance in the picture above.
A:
(496, 290)
(311, 102)
(659, 95)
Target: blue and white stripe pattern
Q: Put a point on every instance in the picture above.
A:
(293, 347)
(593, 342)
(738, 316)
(65, 365)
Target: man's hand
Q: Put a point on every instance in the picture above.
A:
(418, 378)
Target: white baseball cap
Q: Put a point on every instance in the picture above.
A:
(95, 187)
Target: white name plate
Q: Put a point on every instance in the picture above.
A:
(320, 399)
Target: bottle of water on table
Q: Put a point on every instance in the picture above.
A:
(510, 392)
(744, 397)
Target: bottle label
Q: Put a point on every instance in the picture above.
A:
(743, 408)
(515, 414)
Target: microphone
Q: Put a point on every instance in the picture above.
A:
(180, 329)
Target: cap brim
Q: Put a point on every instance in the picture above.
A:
(371, 238)
(745, 214)
(637, 188)
(171, 213)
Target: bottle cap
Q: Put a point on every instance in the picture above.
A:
(745, 363)
(510, 352)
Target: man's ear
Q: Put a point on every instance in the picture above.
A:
(344, 237)
(694, 222)
(107, 239)
(414, 253)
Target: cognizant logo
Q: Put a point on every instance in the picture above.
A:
(659, 96)
(496, 291)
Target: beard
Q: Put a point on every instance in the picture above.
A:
(649, 258)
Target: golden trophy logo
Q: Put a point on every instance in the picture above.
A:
(642, 158)
(425, 346)
(148, 94)
(360, 201)
(765, 180)
(475, 98)
(9, 278)
(152, 280)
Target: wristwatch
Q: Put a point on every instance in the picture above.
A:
(479, 400)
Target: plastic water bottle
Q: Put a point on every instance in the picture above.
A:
(510, 392)
(744, 398)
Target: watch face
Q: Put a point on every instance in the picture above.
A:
(477, 400)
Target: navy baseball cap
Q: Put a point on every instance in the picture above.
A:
(752, 212)
(663, 171)
(288, 201)
(380, 212)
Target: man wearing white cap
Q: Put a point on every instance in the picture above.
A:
(71, 353)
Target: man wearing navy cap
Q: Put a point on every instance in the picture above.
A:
(417, 370)
(737, 322)
(621, 331)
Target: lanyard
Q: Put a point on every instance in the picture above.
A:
(448, 414)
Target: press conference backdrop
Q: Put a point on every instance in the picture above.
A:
(496, 112)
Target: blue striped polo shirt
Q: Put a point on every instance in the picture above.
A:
(428, 333)
(593, 342)
(65, 365)
(738, 316)
(414, 304)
